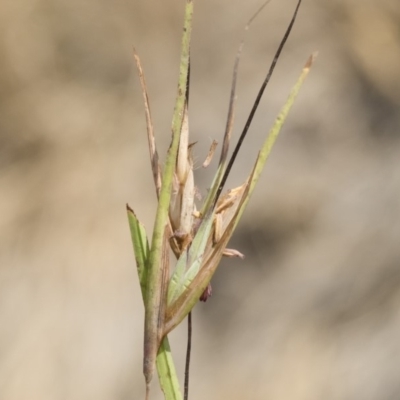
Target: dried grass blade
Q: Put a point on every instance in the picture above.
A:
(257, 101)
(230, 119)
(155, 165)
(210, 154)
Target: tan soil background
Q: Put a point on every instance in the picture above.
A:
(313, 312)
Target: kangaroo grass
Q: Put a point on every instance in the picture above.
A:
(198, 238)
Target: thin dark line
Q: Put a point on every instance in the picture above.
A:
(188, 83)
(189, 338)
(256, 103)
(188, 352)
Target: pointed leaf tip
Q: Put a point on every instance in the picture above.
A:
(311, 60)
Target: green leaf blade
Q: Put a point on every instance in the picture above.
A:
(166, 372)
(140, 248)
(165, 364)
(189, 262)
(275, 130)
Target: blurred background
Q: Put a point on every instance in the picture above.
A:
(314, 309)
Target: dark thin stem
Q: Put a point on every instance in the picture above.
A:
(189, 338)
(188, 351)
(188, 84)
(256, 103)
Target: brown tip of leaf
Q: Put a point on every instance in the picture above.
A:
(233, 253)
(311, 60)
(210, 155)
(128, 208)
